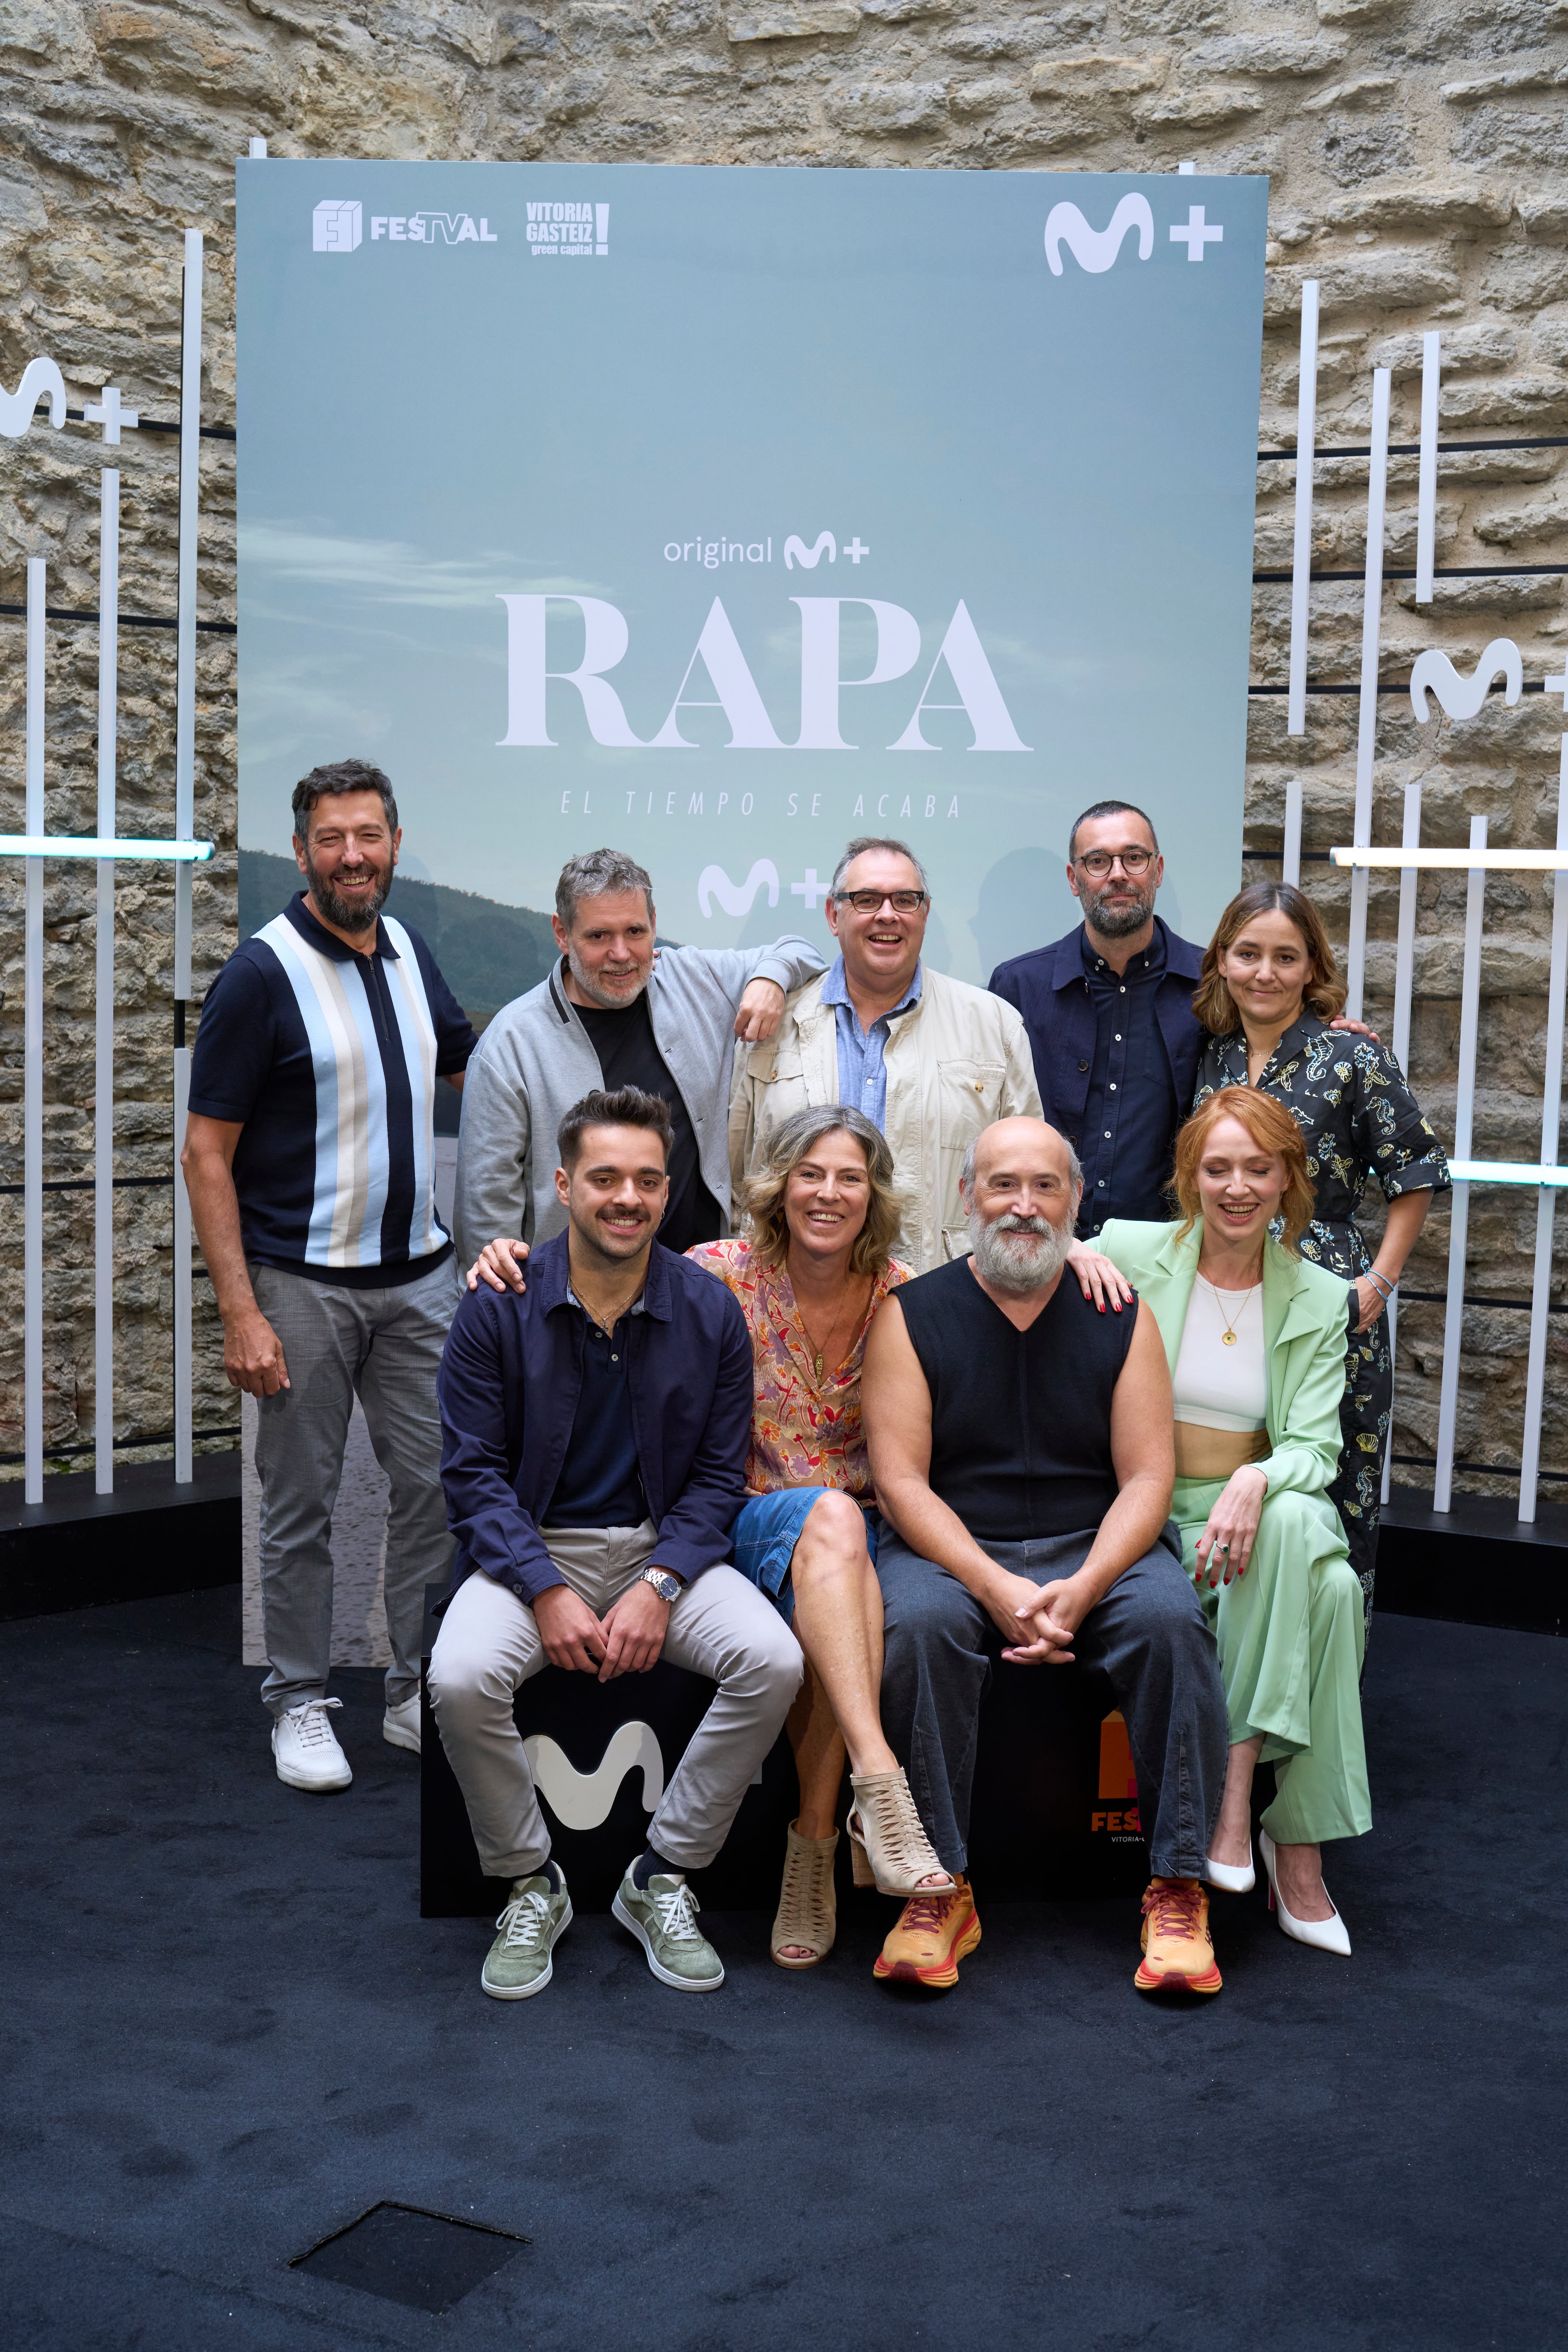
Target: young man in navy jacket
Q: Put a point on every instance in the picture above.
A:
(594, 1429)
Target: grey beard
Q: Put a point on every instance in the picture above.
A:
(349, 915)
(1118, 922)
(597, 995)
(1005, 1270)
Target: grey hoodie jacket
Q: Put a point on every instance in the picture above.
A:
(535, 1060)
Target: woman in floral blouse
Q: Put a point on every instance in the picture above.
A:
(1267, 992)
(815, 1263)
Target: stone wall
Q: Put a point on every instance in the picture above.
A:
(1418, 160)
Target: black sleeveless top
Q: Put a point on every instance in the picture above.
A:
(1020, 1420)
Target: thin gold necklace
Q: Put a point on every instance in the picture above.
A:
(1228, 1340)
(607, 1323)
(820, 1354)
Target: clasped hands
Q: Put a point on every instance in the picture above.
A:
(627, 1640)
(1038, 1619)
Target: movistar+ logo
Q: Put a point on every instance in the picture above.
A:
(1097, 249)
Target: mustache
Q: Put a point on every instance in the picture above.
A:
(1010, 1221)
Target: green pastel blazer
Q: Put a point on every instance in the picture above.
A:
(1306, 1331)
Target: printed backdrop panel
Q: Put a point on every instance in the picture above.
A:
(720, 514)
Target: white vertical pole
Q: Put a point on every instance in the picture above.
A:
(1459, 1223)
(1290, 860)
(103, 1057)
(1550, 1112)
(1404, 955)
(1404, 991)
(1426, 490)
(1301, 558)
(33, 1063)
(1370, 634)
(185, 822)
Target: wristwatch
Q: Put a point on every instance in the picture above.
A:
(667, 1587)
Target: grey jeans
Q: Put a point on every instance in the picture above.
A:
(1149, 1634)
(383, 1347)
(720, 1626)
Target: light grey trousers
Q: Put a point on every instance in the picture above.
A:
(721, 1627)
(383, 1347)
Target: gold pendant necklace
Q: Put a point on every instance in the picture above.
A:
(819, 1355)
(1228, 1336)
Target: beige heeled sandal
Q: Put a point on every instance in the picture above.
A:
(890, 1849)
(808, 1909)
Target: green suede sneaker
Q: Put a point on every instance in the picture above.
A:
(662, 1917)
(519, 1962)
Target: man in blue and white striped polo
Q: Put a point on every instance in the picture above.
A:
(309, 1163)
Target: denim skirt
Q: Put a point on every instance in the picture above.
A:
(766, 1532)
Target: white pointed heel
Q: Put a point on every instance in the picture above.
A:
(1326, 1935)
(1232, 1878)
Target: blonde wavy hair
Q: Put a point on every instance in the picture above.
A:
(794, 1140)
(1272, 1129)
(1325, 992)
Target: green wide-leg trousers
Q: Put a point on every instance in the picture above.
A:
(1291, 1635)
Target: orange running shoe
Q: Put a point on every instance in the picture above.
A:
(1178, 1953)
(935, 1931)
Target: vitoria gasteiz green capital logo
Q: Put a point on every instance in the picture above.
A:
(824, 502)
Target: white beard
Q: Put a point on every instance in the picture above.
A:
(1014, 1255)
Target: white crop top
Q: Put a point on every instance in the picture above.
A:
(1220, 1386)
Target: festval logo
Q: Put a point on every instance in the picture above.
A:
(1117, 1781)
(337, 224)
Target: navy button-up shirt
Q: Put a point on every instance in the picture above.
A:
(1132, 1112)
(509, 1386)
(1051, 988)
(599, 1486)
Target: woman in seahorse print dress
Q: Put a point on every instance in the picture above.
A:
(1268, 990)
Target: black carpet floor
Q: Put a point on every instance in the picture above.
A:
(227, 2033)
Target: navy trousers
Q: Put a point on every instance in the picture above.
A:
(1149, 1635)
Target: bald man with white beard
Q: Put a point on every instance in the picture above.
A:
(1022, 1447)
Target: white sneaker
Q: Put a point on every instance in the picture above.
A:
(307, 1750)
(400, 1725)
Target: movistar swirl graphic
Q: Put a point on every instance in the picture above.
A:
(736, 899)
(1095, 249)
(582, 1801)
(17, 407)
(1461, 697)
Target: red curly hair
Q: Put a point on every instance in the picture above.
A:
(1272, 1130)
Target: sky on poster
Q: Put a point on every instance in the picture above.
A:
(1049, 475)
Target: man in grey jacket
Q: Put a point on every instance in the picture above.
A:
(613, 1014)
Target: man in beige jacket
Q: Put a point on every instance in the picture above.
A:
(930, 1060)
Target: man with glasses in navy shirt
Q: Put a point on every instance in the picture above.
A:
(1109, 1012)
(309, 1163)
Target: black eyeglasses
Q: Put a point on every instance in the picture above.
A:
(872, 902)
(1097, 862)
